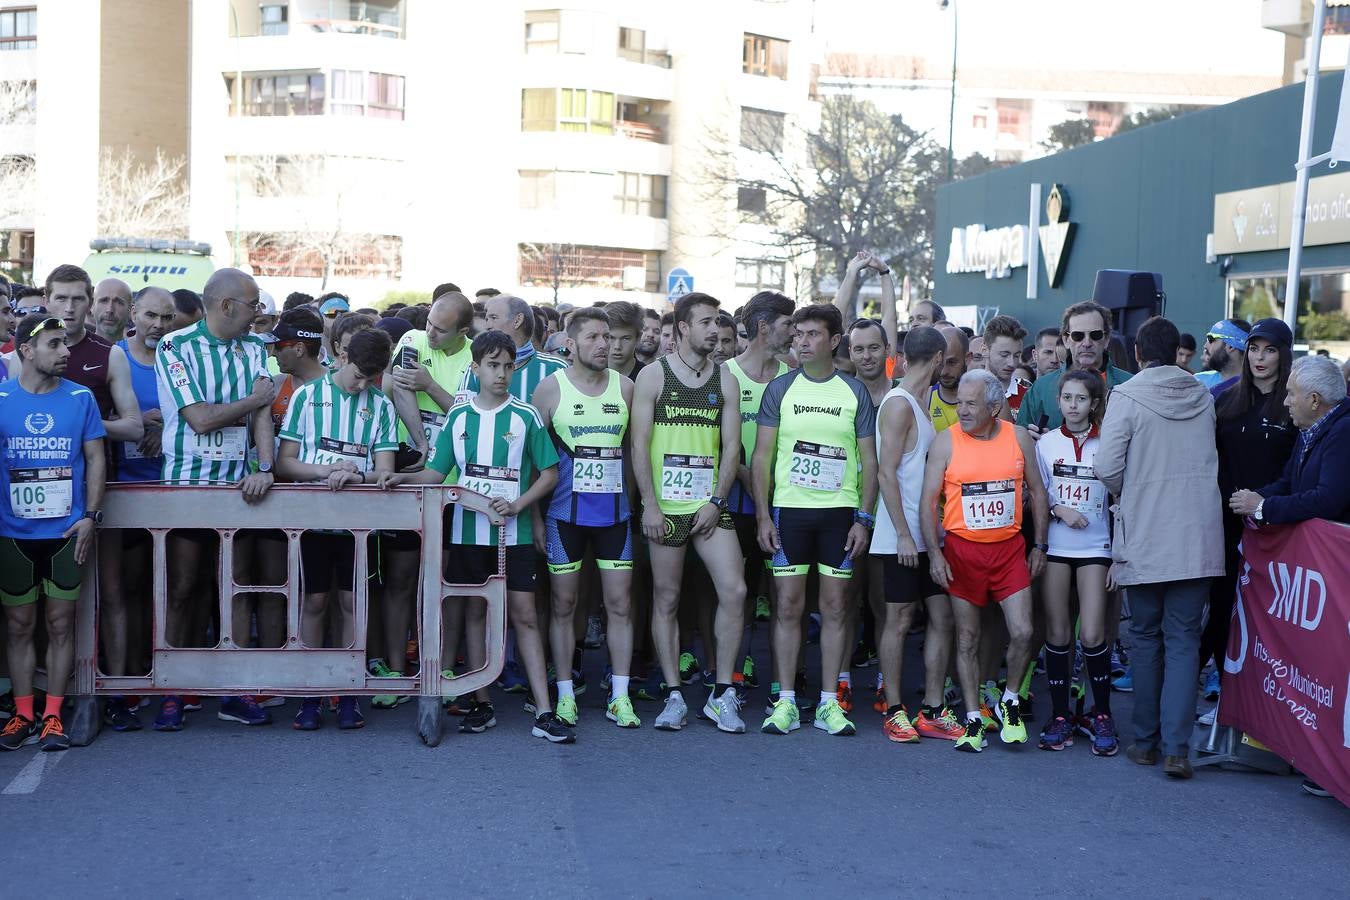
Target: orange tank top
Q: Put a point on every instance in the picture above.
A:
(982, 487)
(281, 403)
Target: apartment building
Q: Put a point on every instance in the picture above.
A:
(373, 145)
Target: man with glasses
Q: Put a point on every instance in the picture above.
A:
(1224, 353)
(1086, 328)
(214, 391)
(52, 480)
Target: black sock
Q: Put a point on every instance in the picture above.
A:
(719, 689)
(931, 712)
(892, 710)
(1058, 671)
(1098, 662)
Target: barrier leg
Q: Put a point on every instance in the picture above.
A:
(430, 722)
(84, 723)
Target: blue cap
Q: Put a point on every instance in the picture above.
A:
(334, 305)
(1229, 333)
(1275, 331)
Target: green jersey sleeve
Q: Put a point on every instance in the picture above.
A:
(175, 377)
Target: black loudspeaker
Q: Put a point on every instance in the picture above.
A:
(1133, 298)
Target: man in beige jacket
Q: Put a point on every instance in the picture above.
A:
(1158, 459)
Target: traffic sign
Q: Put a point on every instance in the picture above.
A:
(678, 283)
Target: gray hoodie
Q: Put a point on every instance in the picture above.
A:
(1158, 459)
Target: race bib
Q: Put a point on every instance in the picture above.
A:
(331, 452)
(598, 470)
(492, 481)
(819, 467)
(1077, 487)
(988, 504)
(686, 477)
(132, 450)
(41, 493)
(432, 423)
(228, 444)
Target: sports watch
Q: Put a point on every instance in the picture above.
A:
(94, 515)
(719, 502)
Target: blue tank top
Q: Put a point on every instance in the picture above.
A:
(131, 465)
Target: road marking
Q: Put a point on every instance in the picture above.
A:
(30, 776)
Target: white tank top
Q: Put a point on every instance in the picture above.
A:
(1071, 481)
(910, 474)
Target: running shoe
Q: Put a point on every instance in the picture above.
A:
(989, 717)
(748, 672)
(845, 691)
(990, 694)
(898, 728)
(649, 688)
(192, 703)
(310, 715)
(1083, 723)
(512, 681)
(244, 710)
(578, 682)
(675, 715)
(1125, 683)
(1212, 685)
(385, 701)
(709, 679)
(548, 727)
(762, 611)
(785, 718)
(349, 714)
(725, 712)
(567, 711)
(951, 694)
(479, 718)
(270, 701)
(1120, 659)
(453, 704)
(607, 680)
(689, 667)
(864, 656)
(53, 736)
(944, 726)
(1057, 734)
(620, 712)
(1013, 730)
(595, 637)
(830, 718)
(170, 716)
(972, 740)
(1104, 740)
(120, 717)
(1313, 789)
(879, 700)
(19, 732)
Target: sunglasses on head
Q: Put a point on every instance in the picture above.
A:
(1079, 336)
(46, 325)
(1215, 337)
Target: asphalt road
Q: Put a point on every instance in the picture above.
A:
(220, 809)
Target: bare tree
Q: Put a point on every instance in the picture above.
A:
(18, 102)
(18, 191)
(560, 266)
(143, 200)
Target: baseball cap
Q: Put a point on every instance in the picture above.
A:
(394, 326)
(34, 324)
(287, 331)
(269, 305)
(1229, 333)
(1275, 331)
(334, 305)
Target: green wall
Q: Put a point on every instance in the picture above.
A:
(1143, 200)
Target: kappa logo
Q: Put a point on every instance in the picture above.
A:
(39, 423)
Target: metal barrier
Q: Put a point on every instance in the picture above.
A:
(229, 668)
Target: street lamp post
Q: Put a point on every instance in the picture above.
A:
(951, 109)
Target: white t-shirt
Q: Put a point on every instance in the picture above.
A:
(1070, 481)
(884, 538)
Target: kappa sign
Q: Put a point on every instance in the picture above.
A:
(678, 283)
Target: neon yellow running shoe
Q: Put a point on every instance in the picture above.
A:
(689, 668)
(785, 718)
(1014, 731)
(567, 711)
(620, 712)
(830, 718)
(762, 611)
(386, 701)
(973, 740)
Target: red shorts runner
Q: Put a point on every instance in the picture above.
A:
(982, 573)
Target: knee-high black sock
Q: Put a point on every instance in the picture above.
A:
(1098, 661)
(1058, 671)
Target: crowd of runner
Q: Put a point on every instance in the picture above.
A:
(848, 481)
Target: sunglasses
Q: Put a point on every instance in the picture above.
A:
(333, 313)
(45, 325)
(1079, 336)
(1215, 337)
(256, 306)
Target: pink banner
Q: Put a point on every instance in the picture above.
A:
(1287, 671)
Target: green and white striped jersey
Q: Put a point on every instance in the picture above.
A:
(194, 366)
(331, 425)
(494, 452)
(530, 371)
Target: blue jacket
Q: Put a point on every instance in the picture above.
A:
(1315, 485)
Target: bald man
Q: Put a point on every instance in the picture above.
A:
(111, 309)
(214, 392)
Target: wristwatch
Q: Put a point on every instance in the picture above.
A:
(1044, 548)
(96, 515)
(719, 502)
(1257, 514)
(265, 467)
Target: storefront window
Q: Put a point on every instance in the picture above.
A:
(1324, 303)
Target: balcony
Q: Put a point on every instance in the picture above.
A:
(375, 18)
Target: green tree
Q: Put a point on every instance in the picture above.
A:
(1150, 116)
(411, 298)
(1069, 133)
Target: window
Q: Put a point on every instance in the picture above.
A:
(16, 255)
(567, 109)
(282, 94)
(384, 100)
(979, 121)
(751, 200)
(1014, 119)
(18, 29)
(641, 195)
(537, 189)
(541, 31)
(349, 93)
(762, 130)
(1105, 117)
(372, 94)
(632, 44)
(274, 19)
(764, 56)
(761, 274)
(572, 265)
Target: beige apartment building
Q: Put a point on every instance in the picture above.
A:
(371, 145)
